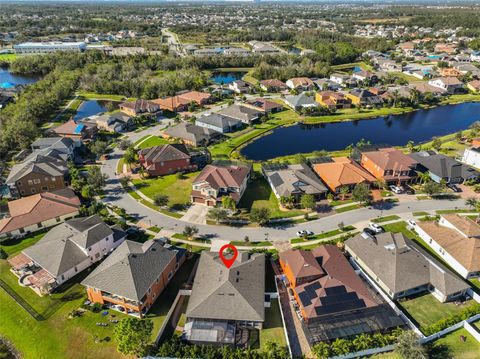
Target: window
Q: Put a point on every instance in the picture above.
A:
(89, 249)
(19, 183)
(76, 270)
(39, 225)
(63, 277)
(53, 179)
(97, 255)
(170, 275)
(21, 230)
(33, 190)
(36, 181)
(46, 179)
(30, 182)
(149, 290)
(44, 188)
(176, 266)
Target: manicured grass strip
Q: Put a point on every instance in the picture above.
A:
(251, 244)
(446, 211)
(385, 219)
(420, 214)
(272, 327)
(335, 232)
(339, 203)
(150, 141)
(154, 229)
(347, 208)
(13, 246)
(98, 96)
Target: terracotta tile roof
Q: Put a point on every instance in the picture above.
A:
(466, 250)
(195, 96)
(263, 104)
(223, 176)
(172, 103)
(475, 84)
(38, 208)
(273, 83)
(301, 81)
(342, 172)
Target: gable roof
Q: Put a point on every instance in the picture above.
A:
(443, 166)
(131, 269)
(229, 294)
(65, 245)
(141, 106)
(301, 81)
(223, 176)
(297, 178)
(50, 164)
(401, 265)
(301, 263)
(342, 172)
(239, 112)
(164, 153)
(274, 83)
(462, 243)
(301, 100)
(190, 132)
(38, 208)
(390, 158)
(218, 120)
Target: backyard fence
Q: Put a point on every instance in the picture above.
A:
(283, 320)
(20, 301)
(181, 292)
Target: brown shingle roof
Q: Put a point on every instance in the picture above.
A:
(390, 159)
(34, 209)
(465, 250)
(223, 176)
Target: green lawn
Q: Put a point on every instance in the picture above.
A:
(177, 190)
(97, 96)
(8, 57)
(450, 346)
(150, 141)
(427, 310)
(386, 219)
(273, 327)
(259, 194)
(14, 245)
(347, 208)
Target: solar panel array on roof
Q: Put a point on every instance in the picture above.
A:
(305, 299)
(78, 129)
(274, 166)
(339, 300)
(321, 160)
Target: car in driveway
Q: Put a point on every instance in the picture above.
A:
(375, 227)
(412, 223)
(369, 231)
(396, 189)
(454, 188)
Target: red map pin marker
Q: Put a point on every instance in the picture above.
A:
(228, 261)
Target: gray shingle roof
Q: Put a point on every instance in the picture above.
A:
(401, 265)
(242, 113)
(443, 166)
(229, 294)
(295, 179)
(301, 100)
(44, 165)
(191, 132)
(218, 120)
(131, 269)
(61, 248)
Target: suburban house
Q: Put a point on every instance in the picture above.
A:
(441, 167)
(263, 105)
(240, 86)
(362, 75)
(475, 56)
(226, 304)
(140, 107)
(333, 300)
(300, 84)
(425, 87)
(361, 97)
(471, 156)
(332, 99)
(449, 84)
(445, 48)
(342, 172)
(78, 132)
(263, 47)
(407, 47)
(273, 85)
(115, 122)
(388, 65)
(191, 134)
(325, 84)
(389, 165)
(43, 210)
(132, 278)
(456, 239)
(301, 101)
(240, 112)
(217, 181)
(401, 268)
(293, 180)
(219, 123)
(181, 101)
(38, 173)
(61, 144)
(166, 159)
(474, 85)
(65, 251)
(341, 79)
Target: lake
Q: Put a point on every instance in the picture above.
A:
(93, 107)
(418, 126)
(223, 78)
(10, 80)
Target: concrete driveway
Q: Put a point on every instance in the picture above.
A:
(197, 213)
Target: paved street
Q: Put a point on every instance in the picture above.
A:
(117, 196)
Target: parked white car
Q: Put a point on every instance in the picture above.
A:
(304, 233)
(412, 223)
(375, 227)
(396, 189)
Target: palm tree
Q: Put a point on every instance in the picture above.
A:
(411, 146)
(471, 202)
(344, 191)
(424, 177)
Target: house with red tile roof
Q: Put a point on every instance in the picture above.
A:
(273, 85)
(43, 210)
(333, 300)
(218, 181)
